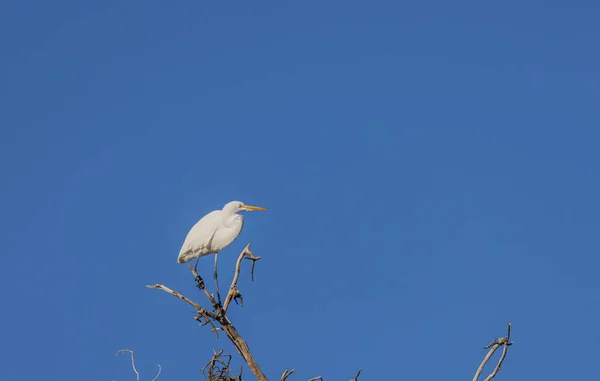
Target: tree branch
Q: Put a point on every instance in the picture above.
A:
(122, 351)
(506, 344)
(207, 320)
(233, 291)
(494, 345)
(219, 314)
(219, 370)
(158, 374)
(356, 377)
(137, 374)
(200, 309)
(242, 348)
(286, 374)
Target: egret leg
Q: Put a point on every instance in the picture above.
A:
(198, 279)
(216, 281)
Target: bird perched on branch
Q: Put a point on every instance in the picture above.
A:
(214, 232)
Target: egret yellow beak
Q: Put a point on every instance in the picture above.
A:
(250, 207)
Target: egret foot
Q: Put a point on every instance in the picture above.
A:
(199, 282)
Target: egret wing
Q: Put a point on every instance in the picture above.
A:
(198, 240)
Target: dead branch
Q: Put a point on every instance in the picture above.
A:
(200, 309)
(356, 377)
(219, 369)
(219, 315)
(205, 319)
(242, 348)
(137, 374)
(506, 344)
(493, 346)
(233, 291)
(286, 374)
(157, 374)
(123, 351)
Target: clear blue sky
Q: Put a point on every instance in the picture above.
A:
(431, 171)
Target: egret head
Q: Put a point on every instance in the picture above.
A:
(238, 206)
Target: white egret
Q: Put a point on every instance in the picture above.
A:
(214, 232)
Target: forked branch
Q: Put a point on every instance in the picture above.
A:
(286, 374)
(493, 346)
(218, 318)
(233, 291)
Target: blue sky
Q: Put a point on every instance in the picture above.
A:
(430, 169)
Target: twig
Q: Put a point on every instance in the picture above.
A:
(137, 374)
(356, 377)
(219, 370)
(175, 293)
(233, 291)
(494, 345)
(316, 378)
(122, 351)
(207, 320)
(286, 374)
(253, 259)
(485, 360)
(507, 343)
(158, 374)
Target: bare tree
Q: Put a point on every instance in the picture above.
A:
(219, 369)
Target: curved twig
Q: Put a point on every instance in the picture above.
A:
(158, 374)
(122, 351)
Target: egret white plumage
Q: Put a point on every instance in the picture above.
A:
(214, 232)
